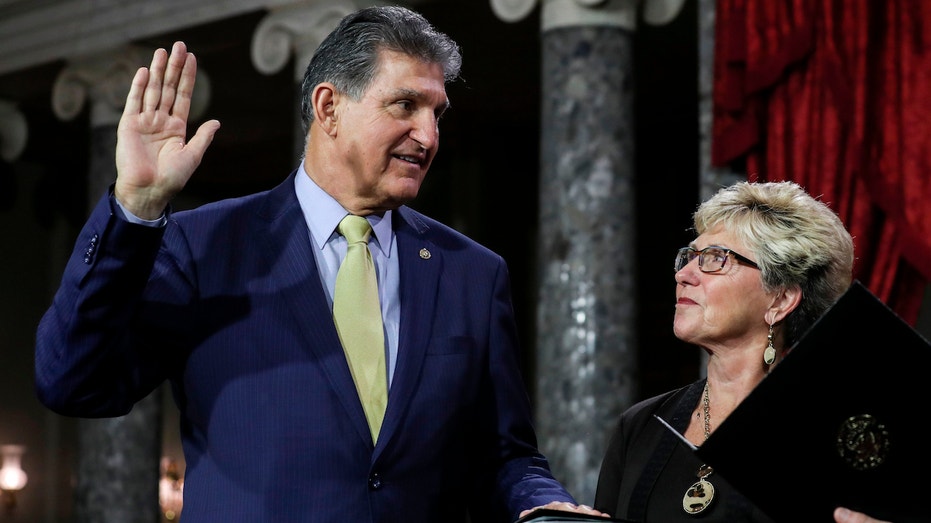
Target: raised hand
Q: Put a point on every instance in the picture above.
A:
(153, 159)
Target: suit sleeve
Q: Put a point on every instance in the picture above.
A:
(90, 360)
(524, 477)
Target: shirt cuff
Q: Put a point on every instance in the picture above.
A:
(132, 218)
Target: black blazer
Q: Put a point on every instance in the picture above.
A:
(647, 469)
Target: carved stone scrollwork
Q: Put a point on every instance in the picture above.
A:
(661, 12)
(566, 13)
(105, 79)
(14, 132)
(298, 29)
(512, 10)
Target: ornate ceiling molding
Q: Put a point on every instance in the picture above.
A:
(297, 30)
(104, 79)
(36, 32)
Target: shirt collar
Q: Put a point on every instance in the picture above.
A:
(322, 213)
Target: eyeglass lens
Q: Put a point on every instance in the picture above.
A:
(710, 259)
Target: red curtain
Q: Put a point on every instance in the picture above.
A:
(836, 95)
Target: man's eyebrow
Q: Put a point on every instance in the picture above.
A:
(407, 92)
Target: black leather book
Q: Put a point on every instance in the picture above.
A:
(838, 422)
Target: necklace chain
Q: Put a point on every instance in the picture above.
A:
(701, 493)
(706, 411)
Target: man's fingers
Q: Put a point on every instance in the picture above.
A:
(176, 68)
(136, 90)
(167, 84)
(153, 89)
(185, 90)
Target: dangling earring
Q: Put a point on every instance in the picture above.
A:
(769, 355)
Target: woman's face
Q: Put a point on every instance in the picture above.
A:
(723, 309)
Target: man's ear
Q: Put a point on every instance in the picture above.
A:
(323, 99)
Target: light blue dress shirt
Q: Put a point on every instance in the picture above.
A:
(322, 214)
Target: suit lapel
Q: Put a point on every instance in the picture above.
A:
(420, 262)
(296, 273)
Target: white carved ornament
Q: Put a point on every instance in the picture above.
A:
(105, 79)
(14, 132)
(298, 29)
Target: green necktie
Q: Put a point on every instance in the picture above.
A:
(357, 313)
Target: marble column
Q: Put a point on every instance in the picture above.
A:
(711, 178)
(296, 30)
(117, 468)
(117, 458)
(586, 339)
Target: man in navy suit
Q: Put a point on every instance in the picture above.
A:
(232, 304)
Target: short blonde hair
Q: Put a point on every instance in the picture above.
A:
(797, 240)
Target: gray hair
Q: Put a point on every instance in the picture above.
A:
(348, 56)
(798, 241)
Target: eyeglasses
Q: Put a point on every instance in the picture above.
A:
(710, 259)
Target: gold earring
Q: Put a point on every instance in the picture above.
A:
(769, 355)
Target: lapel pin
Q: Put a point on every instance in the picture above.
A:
(425, 254)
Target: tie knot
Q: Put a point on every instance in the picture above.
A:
(355, 228)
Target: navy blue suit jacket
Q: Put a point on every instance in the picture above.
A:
(226, 303)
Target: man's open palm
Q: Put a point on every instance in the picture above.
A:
(153, 159)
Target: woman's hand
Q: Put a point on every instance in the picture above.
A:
(845, 515)
(568, 507)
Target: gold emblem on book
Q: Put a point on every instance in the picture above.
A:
(863, 442)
